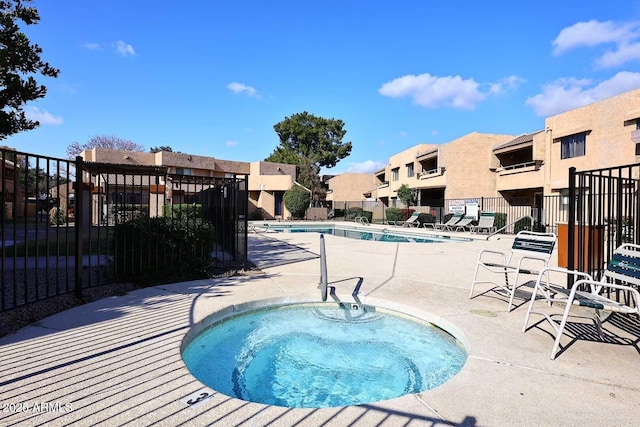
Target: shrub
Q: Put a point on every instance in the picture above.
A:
(406, 213)
(163, 249)
(181, 211)
(393, 214)
(500, 221)
(426, 217)
(352, 213)
(297, 200)
(525, 224)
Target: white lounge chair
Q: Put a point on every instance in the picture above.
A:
(412, 221)
(441, 226)
(461, 225)
(486, 221)
(529, 248)
(622, 274)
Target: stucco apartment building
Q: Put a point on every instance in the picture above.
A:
(599, 135)
(267, 181)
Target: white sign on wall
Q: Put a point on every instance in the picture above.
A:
(456, 206)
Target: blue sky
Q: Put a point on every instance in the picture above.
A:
(213, 77)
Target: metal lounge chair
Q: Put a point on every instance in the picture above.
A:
(461, 225)
(620, 278)
(441, 226)
(486, 221)
(529, 248)
(412, 221)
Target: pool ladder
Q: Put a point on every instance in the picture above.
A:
(323, 270)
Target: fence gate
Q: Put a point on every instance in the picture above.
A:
(604, 212)
(59, 221)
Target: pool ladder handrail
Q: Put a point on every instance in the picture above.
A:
(362, 220)
(510, 224)
(323, 270)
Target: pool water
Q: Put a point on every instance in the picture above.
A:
(322, 356)
(360, 234)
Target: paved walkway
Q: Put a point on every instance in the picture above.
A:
(117, 361)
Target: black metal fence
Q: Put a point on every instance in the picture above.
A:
(59, 220)
(604, 212)
(549, 211)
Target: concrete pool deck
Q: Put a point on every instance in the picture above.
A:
(117, 361)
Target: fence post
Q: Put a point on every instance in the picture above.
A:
(78, 218)
(571, 224)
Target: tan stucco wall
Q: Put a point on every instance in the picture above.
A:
(350, 186)
(608, 144)
(468, 161)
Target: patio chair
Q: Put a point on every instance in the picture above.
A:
(461, 225)
(441, 226)
(529, 249)
(620, 278)
(486, 221)
(412, 221)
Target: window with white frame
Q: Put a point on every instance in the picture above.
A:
(395, 174)
(410, 171)
(573, 145)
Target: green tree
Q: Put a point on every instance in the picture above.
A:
(310, 142)
(103, 141)
(19, 60)
(297, 200)
(406, 195)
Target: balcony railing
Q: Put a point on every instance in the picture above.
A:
(431, 173)
(534, 163)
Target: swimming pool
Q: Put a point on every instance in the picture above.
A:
(359, 233)
(322, 355)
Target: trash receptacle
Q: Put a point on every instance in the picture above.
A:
(596, 244)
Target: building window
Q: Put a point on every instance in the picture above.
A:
(573, 145)
(410, 170)
(395, 174)
(184, 171)
(637, 124)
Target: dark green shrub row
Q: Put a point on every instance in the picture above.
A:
(352, 213)
(181, 211)
(525, 224)
(163, 249)
(393, 214)
(426, 217)
(500, 221)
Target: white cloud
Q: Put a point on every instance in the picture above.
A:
(43, 116)
(626, 52)
(236, 87)
(567, 94)
(433, 91)
(124, 49)
(403, 133)
(625, 37)
(507, 83)
(451, 91)
(231, 143)
(369, 166)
